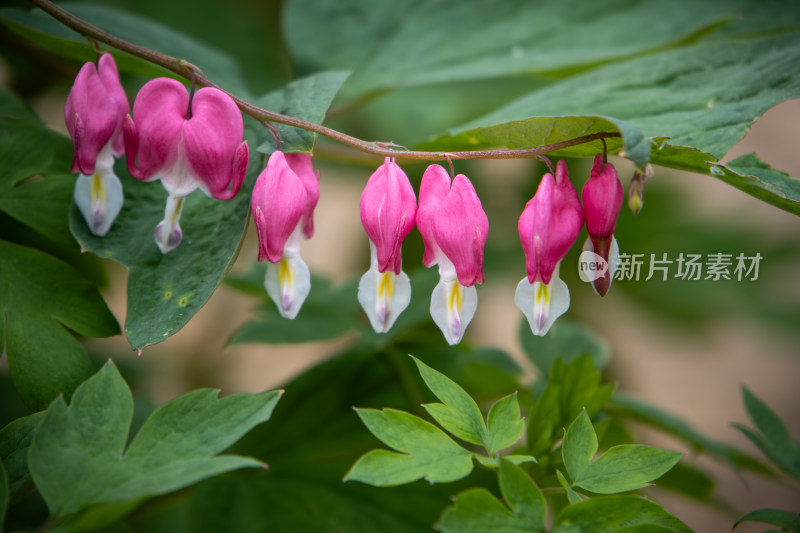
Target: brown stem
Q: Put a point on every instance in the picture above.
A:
(187, 70)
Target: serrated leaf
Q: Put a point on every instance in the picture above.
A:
(47, 33)
(617, 513)
(672, 94)
(458, 413)
(773, 437)
(505, 426)
(425, 451)
(15, 438)
(306, 98)
(566, 340)
(40, 298)
(78, 457)
(165, 291)
(786, 520)
(477, 510)
(620, 469)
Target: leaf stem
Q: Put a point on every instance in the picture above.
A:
(191, 72)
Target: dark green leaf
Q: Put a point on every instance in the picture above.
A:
(165, 291)
(672, 94)
(617, 513)
(76, 457)
(4, 493)
(415, 43)
(425, 451)
(458, 413)
(758, 179)
(15, 438)
(478, 511)
(41, 297)
(306, 98)
(51, 35)
(773, 437)
(566, 340)
(786, 520)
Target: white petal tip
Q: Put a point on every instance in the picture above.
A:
(383, 296)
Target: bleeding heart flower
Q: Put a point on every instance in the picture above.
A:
(94, 113)
(284, 197)
(388, 211)
(547, 227)
(187, 143)
(602, 199)
(454, 228)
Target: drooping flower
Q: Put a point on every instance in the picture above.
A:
(602, 199)
(284, 197)
(547, 227)
(94, 112)
(388, 212)
(187, 143)
(454, 228)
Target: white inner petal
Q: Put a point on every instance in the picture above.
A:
(288, 283)
(452, 307)
(383, 296)
(168, 233)
(99, 197)
(542, 303)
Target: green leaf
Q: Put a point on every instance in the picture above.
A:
(4, 493)
(477, 510)
(672, 94)
(15, 439)
(305, 98)
(572, 496)
(505, 424)
(566, 340)
(77, 460)
(51, 35)
(758, 179)
(458, 413)
(572, 387)
(773, 437)
(425, 451)
(610, 514)
(579, 447)
(415, 43)
(165, 291)
(786, 520)
(40, 298)
(648, 414)
(620, 469)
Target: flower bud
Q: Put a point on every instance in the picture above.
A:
(602, 199)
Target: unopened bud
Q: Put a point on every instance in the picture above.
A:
(636, 193)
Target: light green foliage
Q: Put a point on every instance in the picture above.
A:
(621, 468)
(786, 520)
(176, 447)
(477, 510)
(427, 452)
(628, 514)
(305, 98)
(571, 388)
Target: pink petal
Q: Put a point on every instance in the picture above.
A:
(278, 203)
(302, 166)
(107, 70)
(388, 213)
(434, 187)
(602, 199)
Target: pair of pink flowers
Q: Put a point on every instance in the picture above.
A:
(186, 141)
(549, 226)
(453, 226)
